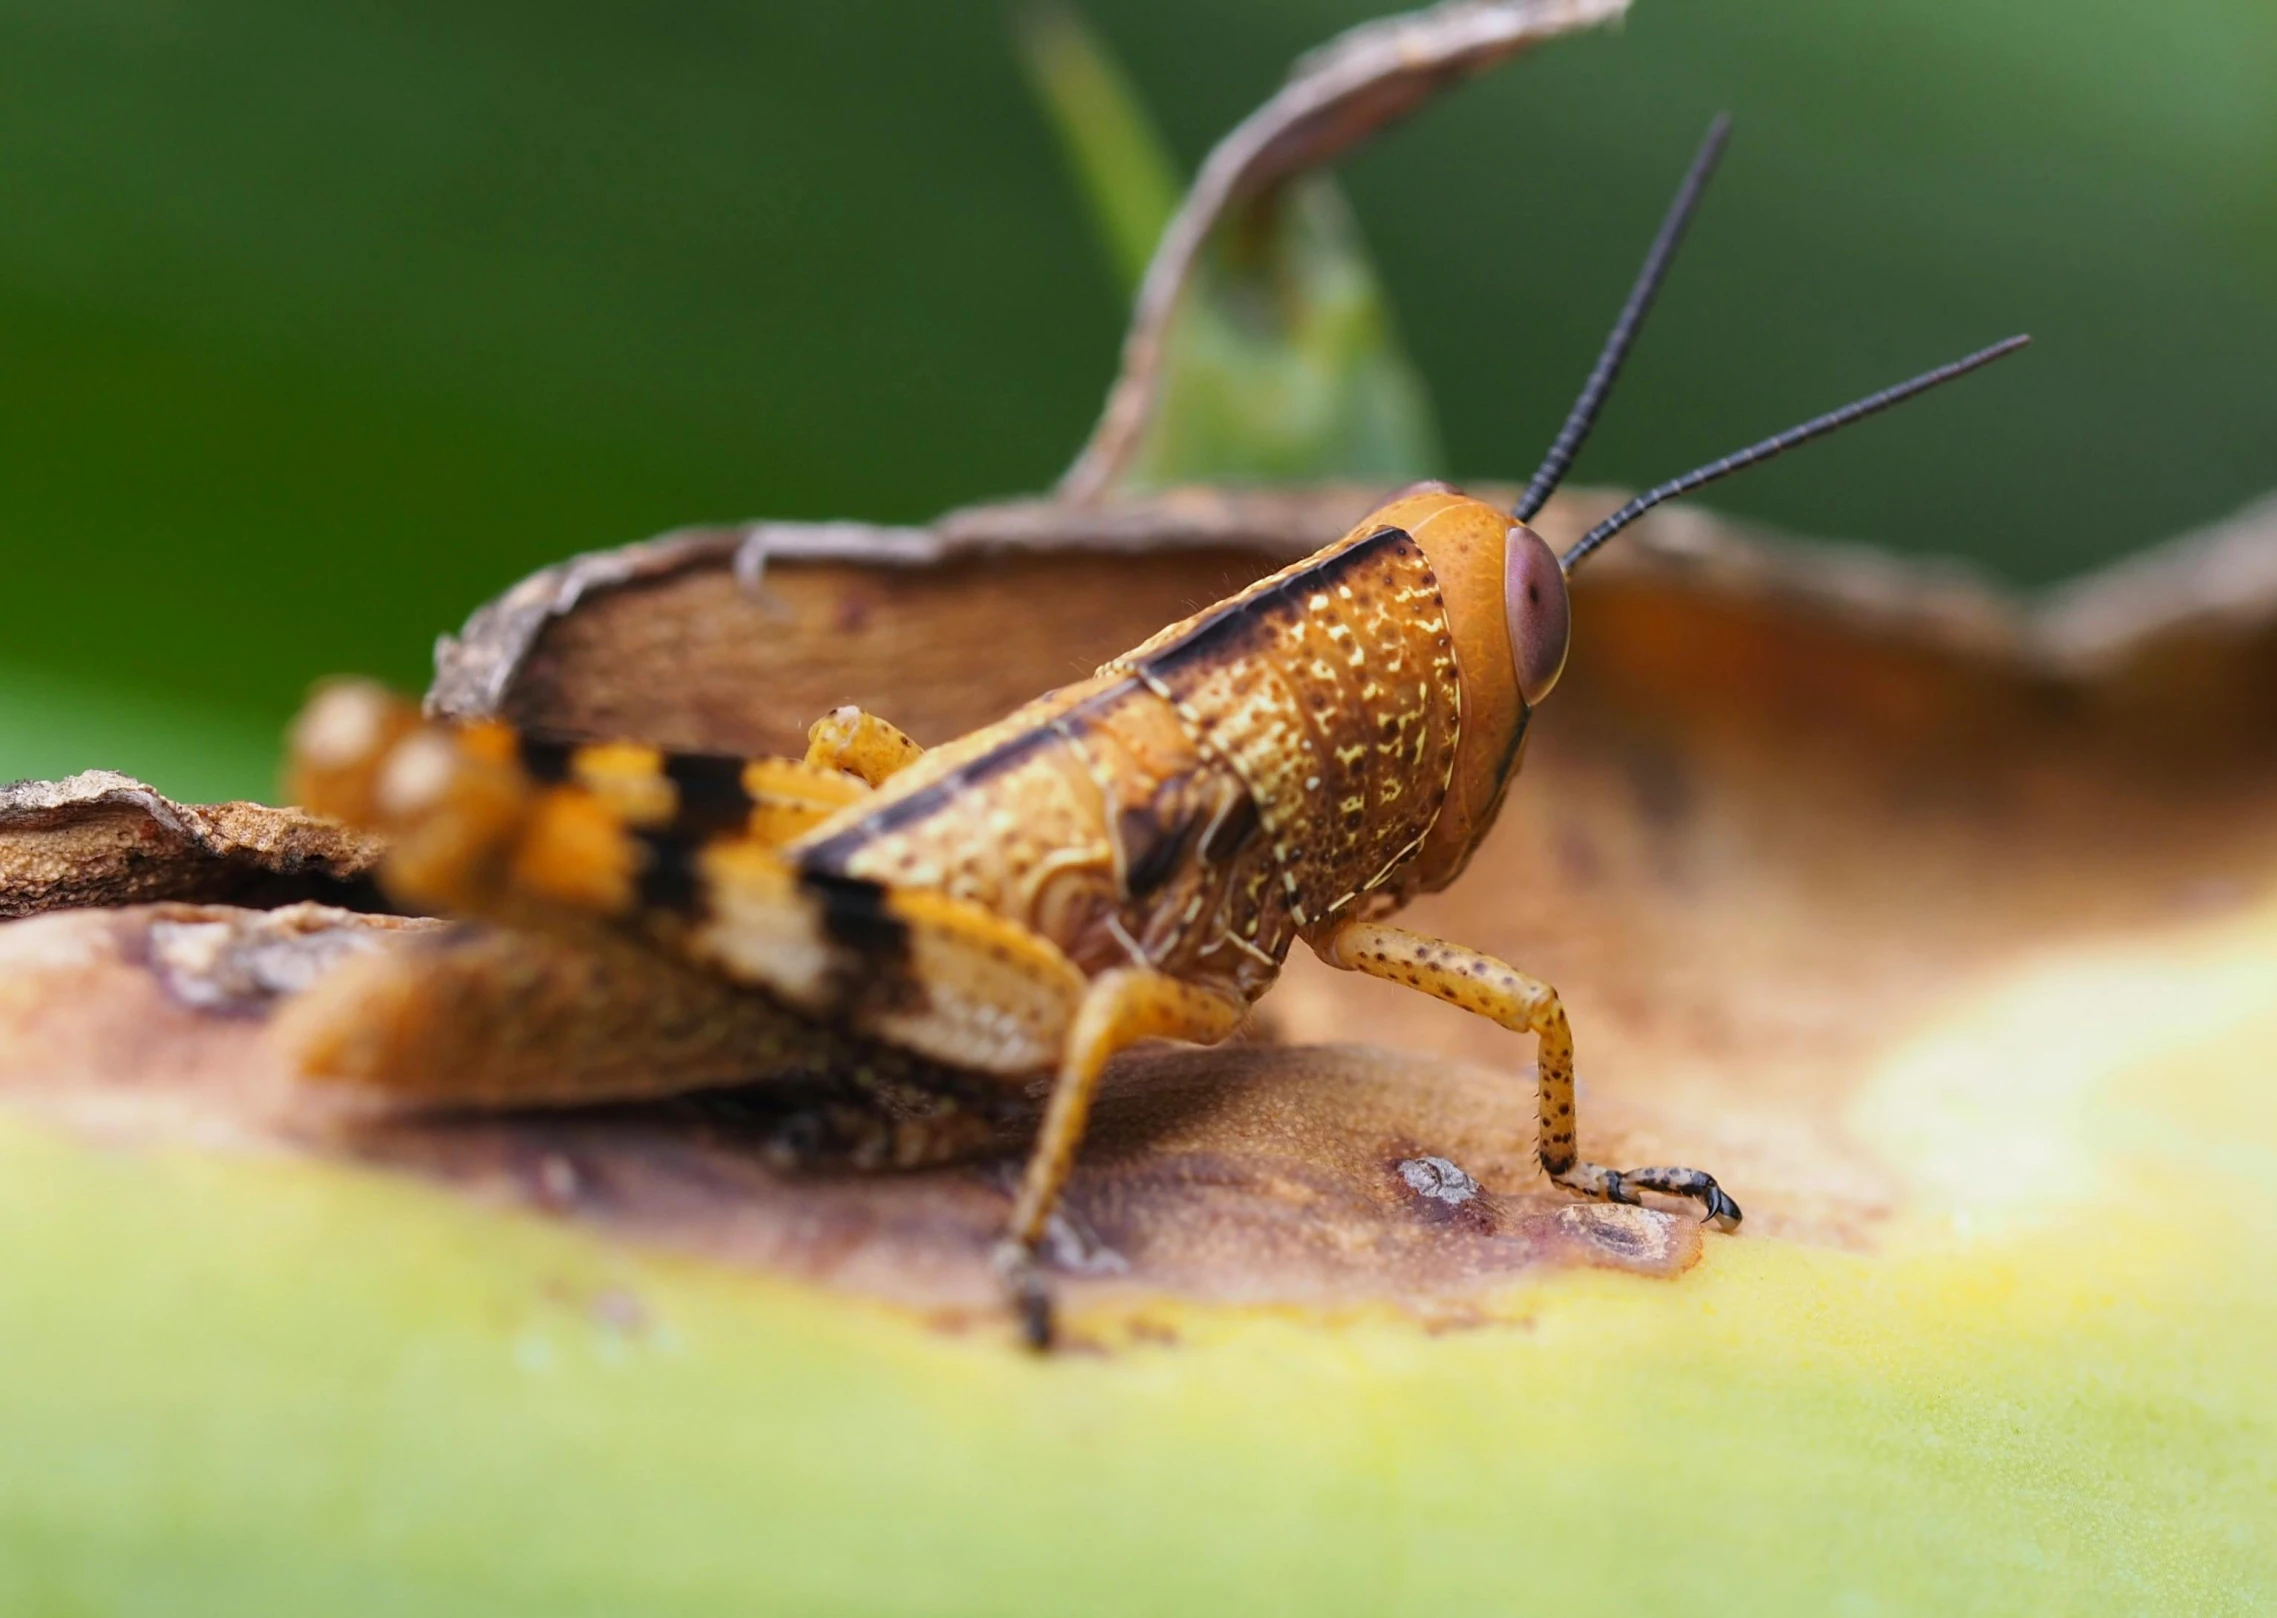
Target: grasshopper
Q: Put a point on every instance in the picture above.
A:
(1128, 857)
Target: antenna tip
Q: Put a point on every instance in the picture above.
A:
(1985, 356)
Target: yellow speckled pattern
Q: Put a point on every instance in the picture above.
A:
(1190, 808)
(1331, 689)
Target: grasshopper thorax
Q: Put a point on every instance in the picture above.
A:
(1507, 615)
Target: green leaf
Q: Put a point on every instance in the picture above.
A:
(1122, 165)
(1282, 361)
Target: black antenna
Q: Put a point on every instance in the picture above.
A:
(1607, 370)
(1817, 427)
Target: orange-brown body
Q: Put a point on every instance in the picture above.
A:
(1128, 857)
(1310, 749)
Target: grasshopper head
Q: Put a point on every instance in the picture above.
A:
(1508, 618)
(1511, 656)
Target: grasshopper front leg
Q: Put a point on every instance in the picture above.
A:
(861, 744)
(1464, 977)
(1118, 1009)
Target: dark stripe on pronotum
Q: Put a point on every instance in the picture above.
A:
(1224, 633)
(711, 795)
(1235, 628)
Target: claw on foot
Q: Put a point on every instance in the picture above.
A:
(1622, 1185)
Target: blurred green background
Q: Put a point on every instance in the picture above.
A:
(321, 323)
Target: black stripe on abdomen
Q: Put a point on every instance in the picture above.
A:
(543, 758)
(870, 967)
(856, 916)
(709, 795)
(669, 881)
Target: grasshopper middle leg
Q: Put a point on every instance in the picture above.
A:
(1118, 1009)
(952, 980)
(1464, 977)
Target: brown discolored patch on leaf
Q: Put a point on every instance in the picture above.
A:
(105, 839)
(149, 1023)
(1242, 1174)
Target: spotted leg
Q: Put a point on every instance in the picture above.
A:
(1463, 977)
(1118, 1009)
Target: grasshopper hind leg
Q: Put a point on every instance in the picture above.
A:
(1463, 977)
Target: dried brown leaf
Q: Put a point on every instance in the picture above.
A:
(101, 838)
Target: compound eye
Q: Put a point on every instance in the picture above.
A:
(1533, 598)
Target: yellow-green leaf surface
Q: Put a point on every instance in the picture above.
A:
(233, 1386)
